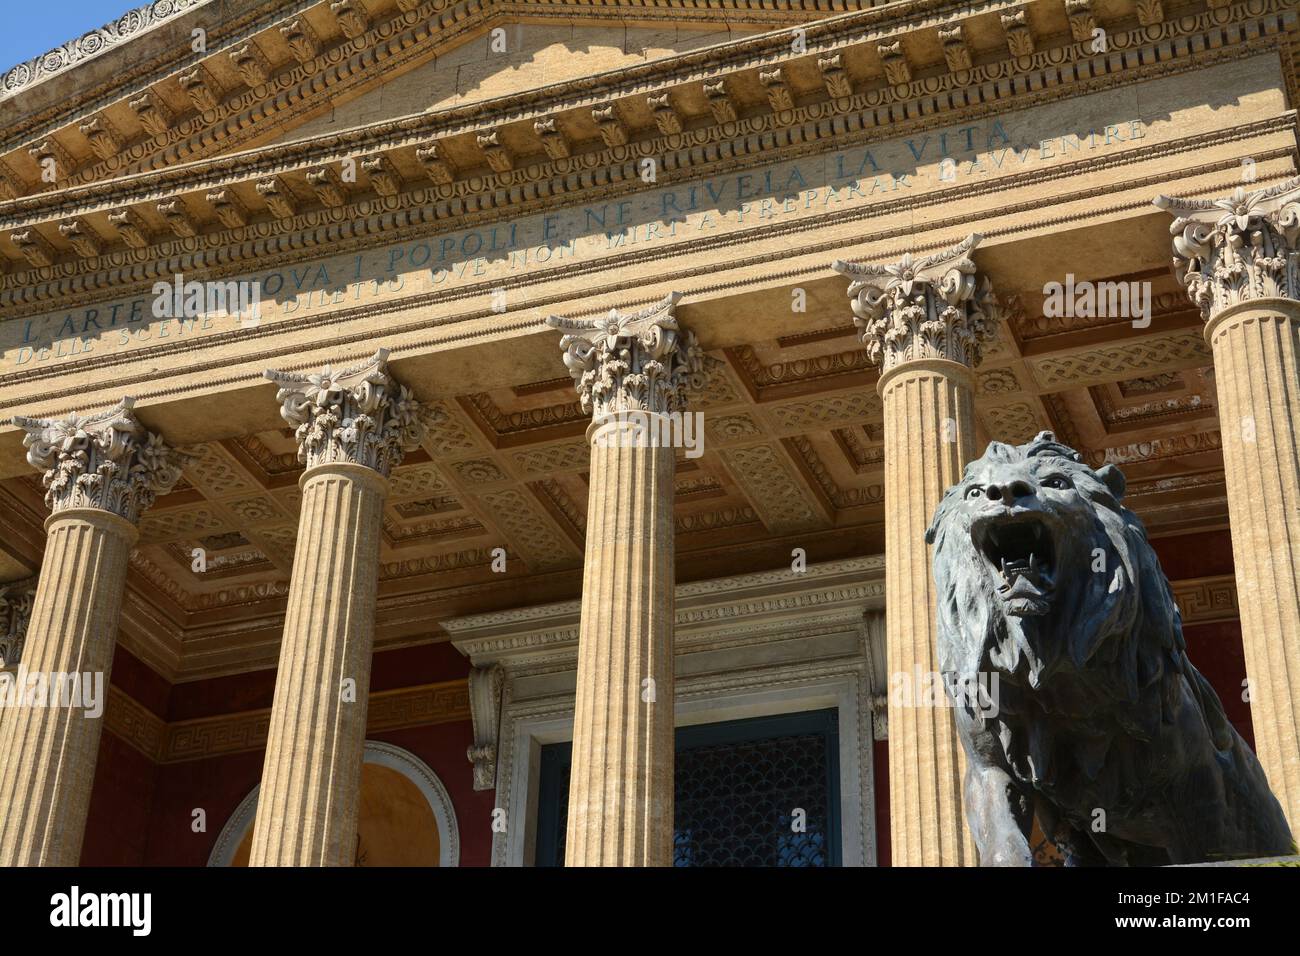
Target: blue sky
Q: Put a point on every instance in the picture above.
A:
(31, 27)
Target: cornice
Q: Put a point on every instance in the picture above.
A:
(696, 281)
(413, 29)
(66, 56)
(595, 169)
(834, 592)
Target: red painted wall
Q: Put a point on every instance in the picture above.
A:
(1214, 649)
(117, 827)
(142, 813)
(215, 786)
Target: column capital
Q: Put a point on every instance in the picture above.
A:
(1239, 248)
(359, 415)
(15, 614)
(934, 307)
(107, 461)
(631, 361)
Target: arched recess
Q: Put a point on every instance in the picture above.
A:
(407, 818)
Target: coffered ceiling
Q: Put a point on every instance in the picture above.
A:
(793, 458)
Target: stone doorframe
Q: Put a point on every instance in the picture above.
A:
(746, 646)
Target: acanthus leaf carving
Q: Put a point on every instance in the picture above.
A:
(935, 307)
(16, 602)
(358, 415)
(632, 361)
(485, 686)
(1239, 248)
(107, 461)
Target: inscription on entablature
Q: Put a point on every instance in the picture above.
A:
(476, 261)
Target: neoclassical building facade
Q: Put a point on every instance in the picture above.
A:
(333, 333)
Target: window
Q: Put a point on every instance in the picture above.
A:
(738, 787)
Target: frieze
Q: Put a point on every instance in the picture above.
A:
(892, 99)
(976, 164)
(206, 737)
(311, 284)
(499, 253)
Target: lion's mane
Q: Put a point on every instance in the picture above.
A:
(1100, 669)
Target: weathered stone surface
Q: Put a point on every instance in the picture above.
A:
(621, 789)
(352, 428)
(106, 461)
(101, 471)
(925, 322)
(1239, 259)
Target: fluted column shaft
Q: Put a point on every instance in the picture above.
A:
(621, 787)
(925, 322)
(1238, 257)
(48, 753)
(311, 781)
(100, 473)
(352, 427)
(1257, 368)
(929, 428)
(632, 371)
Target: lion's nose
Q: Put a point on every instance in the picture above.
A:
(1009, 491)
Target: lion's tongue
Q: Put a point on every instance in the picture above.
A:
(1021, 578)
(1023, 586)
(1019, 569)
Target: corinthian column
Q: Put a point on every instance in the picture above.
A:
(1238, 260)
(632, 372)
(101, 472)
(352, 428)
(924, 322)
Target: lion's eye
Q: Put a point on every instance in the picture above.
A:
(975, 492)
(1059, 482)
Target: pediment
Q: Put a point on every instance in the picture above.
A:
(510, 58)
(133, 97)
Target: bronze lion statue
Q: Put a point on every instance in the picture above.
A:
(1100, 726)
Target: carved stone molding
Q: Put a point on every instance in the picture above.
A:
(879, 108)
(1203, 600)
(15, 613)
(872, 633)
(360, 415)
(485, 709)
(1233, 250)
(90, 44)
(935, 307)
(107, 461)
(632, 361)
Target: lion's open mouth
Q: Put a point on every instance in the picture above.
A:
(1019, 547)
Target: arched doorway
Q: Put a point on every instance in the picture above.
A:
(405, 818)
